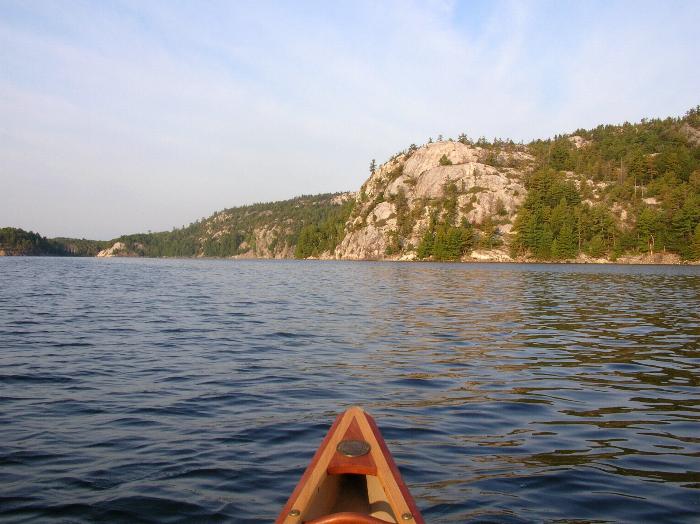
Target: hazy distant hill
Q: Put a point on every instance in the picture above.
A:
(303, 226)
(617, 192)
(14, 241)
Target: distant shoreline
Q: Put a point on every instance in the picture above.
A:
(597, 262)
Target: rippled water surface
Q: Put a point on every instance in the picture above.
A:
(198, 390)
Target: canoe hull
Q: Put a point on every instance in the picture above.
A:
(351, 478)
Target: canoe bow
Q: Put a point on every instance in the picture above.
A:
(352, 479)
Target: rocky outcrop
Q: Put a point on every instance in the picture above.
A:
(578, 141)
(487, 183)
(691, 133)
(490, 255)
(120, 249)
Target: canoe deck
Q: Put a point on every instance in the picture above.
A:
(352, 478)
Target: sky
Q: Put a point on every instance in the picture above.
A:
(127, 116)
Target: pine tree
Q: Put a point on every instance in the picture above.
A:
(647, 225)
(696, 243)
(444, 161)
(425, 248)
(567, 245)
(596, 247)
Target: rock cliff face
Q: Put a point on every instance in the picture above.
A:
(120, 249)
(397, 201)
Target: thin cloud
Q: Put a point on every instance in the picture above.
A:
(130, 116)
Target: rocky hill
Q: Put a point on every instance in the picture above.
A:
(627, 193)
(438, 183)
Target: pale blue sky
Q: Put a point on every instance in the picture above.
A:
(120, 117)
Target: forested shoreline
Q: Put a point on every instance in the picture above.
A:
(603, 193)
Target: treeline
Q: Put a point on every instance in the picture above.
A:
(303, 226)
(316, 223)
(324, 232)
(81, 247)
(14, 241)
(554, 224)
(650, 169)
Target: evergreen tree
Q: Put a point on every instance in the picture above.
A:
(444, 161)
(425, 247)
(647, 229)
(566, 243)
(696, 243)
(596, 247)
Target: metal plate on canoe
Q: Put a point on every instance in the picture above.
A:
(353, 448)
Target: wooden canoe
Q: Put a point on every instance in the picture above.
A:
(352, 478)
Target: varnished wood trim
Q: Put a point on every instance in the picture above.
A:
(387, 472)
(395, 474)
(308, 475)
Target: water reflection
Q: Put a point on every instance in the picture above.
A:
(550, 368)
(157, 389)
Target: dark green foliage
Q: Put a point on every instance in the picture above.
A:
(449, 202)
(444, 161)
(446, 242)
(595, 247)
(695, 246)
(316, 238)
(488, 236)
(14, 241)
(315, 221)
(648, 229)
(443, 240)
(81, 247)
(561, 155)
(425, 247)
(565, 246)
(552, 223)
(404, 220)
(452, 242)
(393, 243)
(463, 139)
(655, 158)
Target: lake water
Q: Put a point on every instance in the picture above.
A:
(197, 390)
